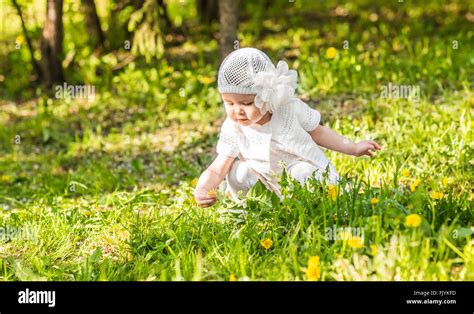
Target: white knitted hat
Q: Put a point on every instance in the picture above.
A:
(238, 70)
(250, 71)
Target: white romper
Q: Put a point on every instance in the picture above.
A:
(263, 147)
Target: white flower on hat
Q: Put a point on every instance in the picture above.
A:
(274, 87)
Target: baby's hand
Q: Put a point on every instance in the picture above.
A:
(365, 147)
(204, 198)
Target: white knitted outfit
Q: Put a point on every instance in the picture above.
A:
(285, 138)
(262, 148)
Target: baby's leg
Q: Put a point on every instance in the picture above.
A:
(240, 178)
(301, 171)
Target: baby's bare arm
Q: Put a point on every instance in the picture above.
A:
(211, 178)
(329, 139)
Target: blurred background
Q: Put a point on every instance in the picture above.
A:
(150, 66)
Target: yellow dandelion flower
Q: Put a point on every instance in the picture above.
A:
(267, 243)
(212, 193)
(414, 185)
(313, 273)
(355, 242)
(206, 80)
(194, 182)
(313, 261)
(373, 249)
(437, 195)
(231, 277)
(405, 173)
(5, 179)
(446, 181)
(331, 52)
(19, 39)
(413, 220)
(374, 200)
(332, 191)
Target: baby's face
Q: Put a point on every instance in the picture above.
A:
(241, 108)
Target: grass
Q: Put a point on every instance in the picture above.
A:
(102, 190)
(108, 214)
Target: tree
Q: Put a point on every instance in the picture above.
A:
(207, 11)
(36, 66)
(52, 43)
(229, 22)
(93, 23)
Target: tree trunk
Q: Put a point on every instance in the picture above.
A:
(207, 11)
(36, 66)
(93, 23)
(52, 43)
(229, 22)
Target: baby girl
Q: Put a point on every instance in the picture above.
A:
(268, 128)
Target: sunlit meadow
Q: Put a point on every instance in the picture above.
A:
(103, 189)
